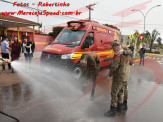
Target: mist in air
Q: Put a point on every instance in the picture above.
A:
(60, 90)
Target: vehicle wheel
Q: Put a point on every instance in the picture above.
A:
(77, 72)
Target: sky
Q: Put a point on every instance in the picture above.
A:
(115, 12)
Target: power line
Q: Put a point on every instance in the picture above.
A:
(126, 22)
(68, 17)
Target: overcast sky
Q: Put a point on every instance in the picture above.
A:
(104, 12)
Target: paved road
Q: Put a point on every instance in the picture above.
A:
(47, 100)
(158, 58)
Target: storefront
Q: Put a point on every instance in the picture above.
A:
(8, 22)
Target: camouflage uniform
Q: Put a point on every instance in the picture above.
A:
(120, 70)
(1, 63)
(127, 52)
(90, 62)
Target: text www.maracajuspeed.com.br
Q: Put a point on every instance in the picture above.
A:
(44, 12)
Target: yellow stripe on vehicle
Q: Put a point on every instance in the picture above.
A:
(108, 53)
(41, 42)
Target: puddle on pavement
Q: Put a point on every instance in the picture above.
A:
(48, 96)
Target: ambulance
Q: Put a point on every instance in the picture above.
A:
(77, 38)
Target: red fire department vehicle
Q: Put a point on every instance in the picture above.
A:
(75, 39)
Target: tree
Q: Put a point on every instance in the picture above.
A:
(146, 38)
(151, 37)
(112, 26)
(56, 31)
(159, 42)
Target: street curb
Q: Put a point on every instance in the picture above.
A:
(155, 54)
(139, 59)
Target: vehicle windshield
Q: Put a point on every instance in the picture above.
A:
(70, 37)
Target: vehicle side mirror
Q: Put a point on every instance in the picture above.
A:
(86, 44)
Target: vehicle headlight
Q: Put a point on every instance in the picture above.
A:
(67, 56)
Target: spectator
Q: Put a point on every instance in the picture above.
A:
(15, 50)
(142, 52)
(9, 42)
(5, 50)
(0, 43)
(33, 47)
(0, 39)
(27, 51)
(131, 47)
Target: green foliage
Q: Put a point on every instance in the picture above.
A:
(138, 44)
(159, 42)
(56, 31)
(145, 39)
(45, 34)
(112, 26)
(138, 41)
(151, 37)
(157, 52)
(148, 51)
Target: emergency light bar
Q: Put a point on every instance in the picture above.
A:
(75, 25)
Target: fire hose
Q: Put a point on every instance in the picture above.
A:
(9, 116)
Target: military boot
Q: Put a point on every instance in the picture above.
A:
(112, 112)
(119, 108)
(124, 106)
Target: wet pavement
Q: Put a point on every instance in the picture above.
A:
(33, 103)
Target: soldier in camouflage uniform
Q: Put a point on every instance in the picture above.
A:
(126, 52)
(120, 69)
(90, 62)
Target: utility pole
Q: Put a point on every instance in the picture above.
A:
(122, 27)
(90, 9)
(38, 18)
(145, 15)
(122, 23)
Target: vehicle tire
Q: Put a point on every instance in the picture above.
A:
(77, 72)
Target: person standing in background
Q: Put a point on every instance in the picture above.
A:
(0, 39)
(0, 43)
(33, 47)
(131, 47)
(142, 52)
(27, 51)
(5, 50)
(15, 50)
